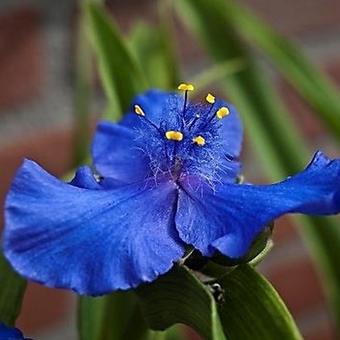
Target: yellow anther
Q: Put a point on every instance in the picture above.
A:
(186, 87)
(139, 111)
(199, 140)
(174, 135)
(222, 112)
(210, 98)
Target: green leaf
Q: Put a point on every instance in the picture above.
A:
(119, 72)
(252, 309)
(12, 289)
(274, 137)
(179, 297)
(216, 73)
(83, 78)
(112, 317)
(155, 50)
(312, 84)
(148, 46)
(172, 333)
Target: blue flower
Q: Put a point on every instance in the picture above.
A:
(165, 178)
(10, 333)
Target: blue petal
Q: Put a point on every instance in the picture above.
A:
(10, 333)
(155, 103)
(232, 130)
(117, 154)
(84, 178)
(91, 241)
(229, 218)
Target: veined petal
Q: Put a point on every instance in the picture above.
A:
(91, 241)
(229, 218)
(117, 154)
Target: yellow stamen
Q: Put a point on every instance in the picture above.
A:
(139, 111)
(199, 140)
(186, 87)
(222, 112)
(174, 135)
(210, 98)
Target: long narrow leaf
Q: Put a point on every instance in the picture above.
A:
(82, 91)
(12, 289)
(179, 297)
(119, 72)
(312, 84)
(249, 307)
(253, 310)
(113, 317)
(147, 44)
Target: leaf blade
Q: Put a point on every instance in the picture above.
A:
(120, 74)
(312, 84)
(253, 310)
(12, 289)
(179, 297)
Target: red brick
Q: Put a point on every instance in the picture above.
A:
(42, 308)
(127, 15)
(52, 149)
(284, 231)
(298, 284)
(299, 17)
(302, 114)
(21, 56)
(190, 334)
(323, 331)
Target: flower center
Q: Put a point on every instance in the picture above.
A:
(188, 140)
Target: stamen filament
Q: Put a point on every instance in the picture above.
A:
(140, 113)
(193, 121)
(186, 88)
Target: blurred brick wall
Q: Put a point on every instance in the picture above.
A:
(36, 114)
(33, 48)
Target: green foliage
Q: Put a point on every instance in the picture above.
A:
(179, 297)
(248, 307)
(119, 72)
(111, 317)
(12, 289)
(253, 309)
(148, 45)
(307, 80)
(83, 79)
